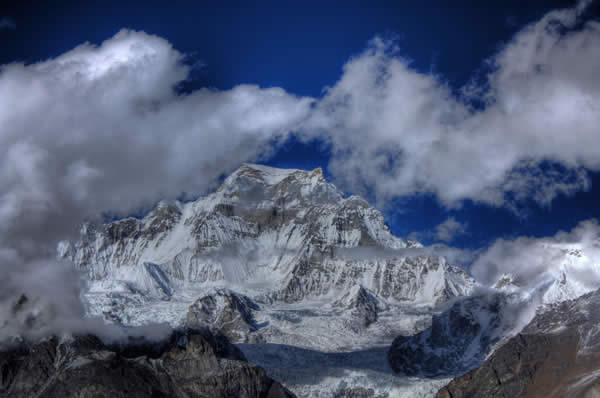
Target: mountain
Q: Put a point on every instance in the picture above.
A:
(277, 260)
(556, 355)
(188, 364)
(267, 229)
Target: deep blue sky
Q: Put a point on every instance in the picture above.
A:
(301, 47)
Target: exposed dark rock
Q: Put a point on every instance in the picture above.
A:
(188, 364)
(365, 306)
(122, 229)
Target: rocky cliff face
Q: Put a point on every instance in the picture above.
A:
(189, 364)
(556, 355)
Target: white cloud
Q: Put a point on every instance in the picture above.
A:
(7, 23)
(449, 230)
(396, 132)
(101, 128)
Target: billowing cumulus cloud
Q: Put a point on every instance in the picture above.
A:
(101, 129)
(395, 132)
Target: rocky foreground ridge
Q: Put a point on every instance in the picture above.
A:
(188, 364)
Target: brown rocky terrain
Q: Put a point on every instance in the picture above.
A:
(189, 364)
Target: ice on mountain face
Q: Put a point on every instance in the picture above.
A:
(259, 259)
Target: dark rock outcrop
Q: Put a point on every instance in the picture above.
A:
(556, 355)
(189, 364)
(457, 340)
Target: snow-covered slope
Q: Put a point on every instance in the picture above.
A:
(269, 258)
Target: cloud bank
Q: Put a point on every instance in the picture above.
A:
(396, 132)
